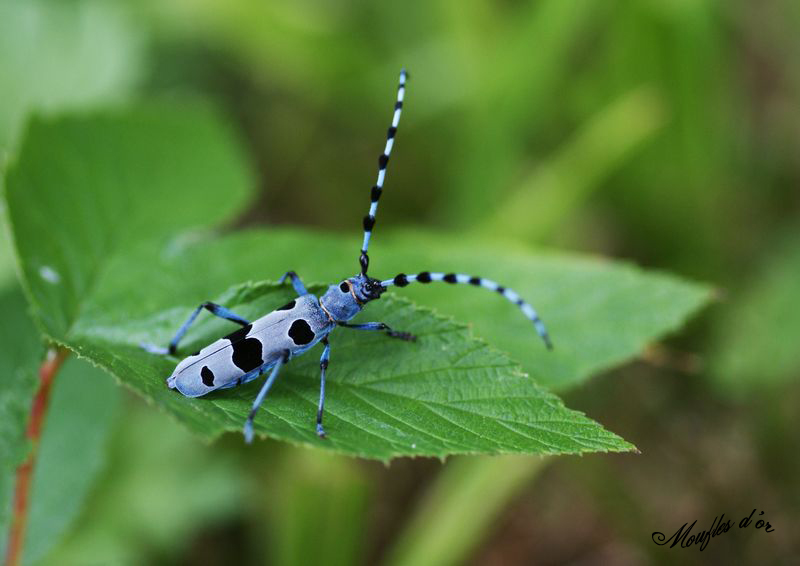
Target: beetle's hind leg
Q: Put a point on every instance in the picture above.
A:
(407, 336)
(248, 424)
(213, 308)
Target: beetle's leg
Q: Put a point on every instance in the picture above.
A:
(407, 336)
(248, 424)
(323, 365)
(213, 308)
(299, 288)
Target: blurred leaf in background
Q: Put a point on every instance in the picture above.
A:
(83, 410)
(21, 353)
(7, 259)
(160, 488)
(564, 182)
(510, 64)
(56, 55)
(461, 507)
(313, 496)
(682, 50)
(83, 407)
(758, 342)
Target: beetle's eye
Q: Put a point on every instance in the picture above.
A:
(343, 287)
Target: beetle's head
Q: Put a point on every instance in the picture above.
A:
(344, 300)
(364, 288)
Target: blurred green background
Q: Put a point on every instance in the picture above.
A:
(661, 131)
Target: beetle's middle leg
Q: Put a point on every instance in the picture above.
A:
(248, 424)
(323, 365)
(213, 308)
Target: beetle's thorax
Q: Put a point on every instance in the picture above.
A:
(342, 301)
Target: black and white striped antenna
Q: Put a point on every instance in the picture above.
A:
(383, 160)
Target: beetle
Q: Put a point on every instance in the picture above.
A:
(289, 331)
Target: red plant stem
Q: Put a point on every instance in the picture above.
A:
(47, 372)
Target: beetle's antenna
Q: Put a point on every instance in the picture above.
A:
(401, 280)
(383, 160)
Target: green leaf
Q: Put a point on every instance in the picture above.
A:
(56, 55)
(757, 344)
(110, 179)
(448, 393)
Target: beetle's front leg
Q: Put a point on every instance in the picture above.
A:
(407, 336)
(297, 283)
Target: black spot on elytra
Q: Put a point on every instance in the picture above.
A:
(401, 280)
(450, 278)
(288, 306)
(424, 277)
(343, 287)
(239, 334)
(247, 354)
(208, 376)
(300, 332)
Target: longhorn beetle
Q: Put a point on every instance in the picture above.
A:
(272, 340)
